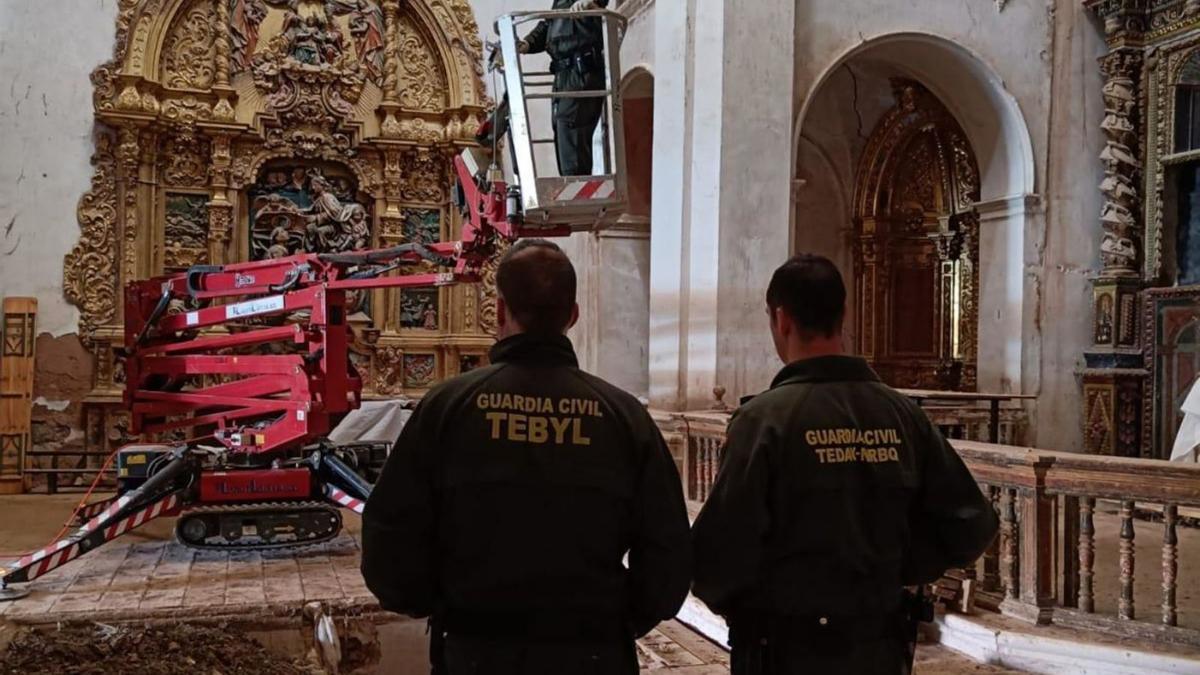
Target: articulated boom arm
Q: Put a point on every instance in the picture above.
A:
(257, 354)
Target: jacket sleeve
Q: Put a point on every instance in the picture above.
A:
(952, 523)
(660, 557)
(398, 562)
(536, 39)
(729, 537)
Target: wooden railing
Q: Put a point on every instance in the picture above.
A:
(1054, 508)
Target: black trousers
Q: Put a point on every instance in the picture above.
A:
(759, 649)
(575, 120)
(470, 655)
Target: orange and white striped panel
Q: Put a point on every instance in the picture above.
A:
(344, 500)
(586, 190)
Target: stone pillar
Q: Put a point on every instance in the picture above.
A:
(618, 344)
(729, 147)
(1114, 378)
(673, 43)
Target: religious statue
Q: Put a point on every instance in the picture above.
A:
(244, 20)
(280, 240)
(303, 210)
(367, 29)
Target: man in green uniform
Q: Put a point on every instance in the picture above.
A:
(834, 493)
(515, 491)
(576, 50)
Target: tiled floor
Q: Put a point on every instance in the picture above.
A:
(147, 575)
(137, 579)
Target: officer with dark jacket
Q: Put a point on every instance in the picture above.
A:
(515, 491)
(834, 493)
(576, 50)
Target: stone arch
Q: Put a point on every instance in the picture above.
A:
(853, 91)
(970, 89)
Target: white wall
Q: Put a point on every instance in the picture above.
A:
(47, 51)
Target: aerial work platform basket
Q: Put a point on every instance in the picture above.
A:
(544, 197)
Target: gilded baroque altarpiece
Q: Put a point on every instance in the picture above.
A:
(232, 130)
(1146, 299)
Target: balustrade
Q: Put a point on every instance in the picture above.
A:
(1043, 566)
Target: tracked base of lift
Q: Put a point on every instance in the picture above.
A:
(258, 527)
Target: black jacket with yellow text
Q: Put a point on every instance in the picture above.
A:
(517, 489)
(834, 492)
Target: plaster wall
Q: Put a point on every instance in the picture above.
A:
(47, 51)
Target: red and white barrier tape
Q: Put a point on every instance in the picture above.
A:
(582, 190)
(344, 500)
(66, 550)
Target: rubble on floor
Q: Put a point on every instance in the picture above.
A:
(102, 649)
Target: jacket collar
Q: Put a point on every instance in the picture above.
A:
(825, 369)
(539, 350)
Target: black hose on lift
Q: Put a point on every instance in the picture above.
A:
(387, 254)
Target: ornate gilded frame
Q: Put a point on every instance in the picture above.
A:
(957, 242)
(175, 114)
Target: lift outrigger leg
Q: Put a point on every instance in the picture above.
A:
(160, 495)
(343, 485)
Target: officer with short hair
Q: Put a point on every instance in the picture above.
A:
(515, 491)
(834, 493)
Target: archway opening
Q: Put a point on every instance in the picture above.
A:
(914, 168)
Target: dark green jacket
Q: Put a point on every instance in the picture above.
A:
(564, 37)
(517, 489)
(834, 492)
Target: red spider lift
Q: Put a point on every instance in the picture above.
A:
(253, 358)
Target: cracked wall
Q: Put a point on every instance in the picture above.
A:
(46, 133)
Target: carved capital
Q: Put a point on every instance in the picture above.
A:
(1124, 20)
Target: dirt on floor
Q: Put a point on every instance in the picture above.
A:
(99, 649)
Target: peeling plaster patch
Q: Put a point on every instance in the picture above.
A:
(1075, 269)
(56, 406)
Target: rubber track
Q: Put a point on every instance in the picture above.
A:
(260, 507)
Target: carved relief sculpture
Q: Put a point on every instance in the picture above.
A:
(1127, 392)
(1122, 168)
(231, 130)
